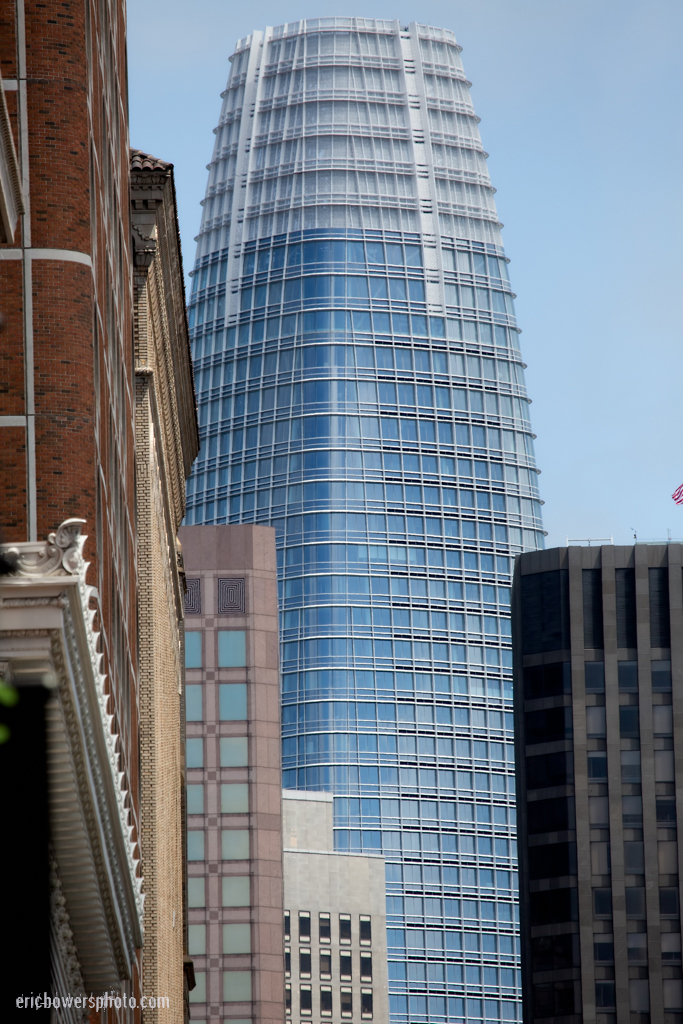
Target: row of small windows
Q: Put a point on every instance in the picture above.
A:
(236, 939)
(321, 525)
(343, 324)
(457, 1010)
(316, 747)
(344, 925)
(485, 911)
(347, 43)
(325, 251)
(337, 112)
(324, 649)
(326, 1002)
(311, 557)
(350, 810)
(351, 778)
(447, 122)
(316, 289)
(435, 52)
(321, 618)
(340, 428)
(311, 79)
(342, 683)
(352, 182)
(419, 875)
(451, 974)
(325, 964)
(339, 715)
(415, 941)
(384, 358)
(430, 844)
(353, 148)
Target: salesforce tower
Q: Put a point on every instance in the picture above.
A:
(361, 389)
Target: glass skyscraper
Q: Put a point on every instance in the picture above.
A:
(361, 388)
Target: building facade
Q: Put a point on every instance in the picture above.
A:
(361, 388)
(598, 673)
(335, 919)
(90, 481)
(166, 444)
(234, 805)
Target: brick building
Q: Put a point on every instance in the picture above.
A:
(97, 435)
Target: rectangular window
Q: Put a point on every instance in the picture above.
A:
(193, 703)
(236, 986)
(304, 926)
(602, 902)
(196, 939)
(236, 891)
(637, 947)
(324, 929)
(196, 893)
(366, 967)
(345, 928)
(325, 965)
(234, 752)
(194, 753)
(193, 649)
(288, 999)
(365, 928)
(625, 581)
(195, 799)
(195, 845)
(198, 993)
(288, 929)
(668, 902)
(345, 966)
(661, 676)
(635, 901)
(629, 726)
(346, 1002)
(592, 609)
(628, 676)
(232, 698)
(659, 608)
(232, 648)
(236, 938)
(595, 676)
(288, 963)
(234, 798)
(366, 1003)
(235, 844)
(325, 1001)
(304, 963)
(306, 1000)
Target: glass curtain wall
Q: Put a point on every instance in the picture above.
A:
(361, 389)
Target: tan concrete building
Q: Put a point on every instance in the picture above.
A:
(233, 775)
(335, 920)
(166, 444)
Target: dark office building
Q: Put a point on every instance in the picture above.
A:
(598, 635)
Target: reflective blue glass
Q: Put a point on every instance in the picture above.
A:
(361, 389)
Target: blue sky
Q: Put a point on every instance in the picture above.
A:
(580, 104)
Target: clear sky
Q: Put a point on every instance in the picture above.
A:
(580, 106)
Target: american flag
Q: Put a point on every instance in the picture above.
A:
(678, 495)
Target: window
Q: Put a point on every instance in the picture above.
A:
(602, 902)
(234, 798)
(366, 1003)
(232, 648)
(196, 939)
(325, 965)
(234, 751)
(630, 766)
(365, 928)
(235, 844)
(662, 719)
(628, 676)
(325, 1001)
(288, 930)
(194, 751)
(603, 949)
(629, 726)
(604, 993)
(666, 810)
(671, 947)
(344, 927)
(637, 947)
(232, 698)
(196, 894)
(345, 967)
(193, 703)
(195, 845)
(236, 986)
(237, 938)
(236, 891)
(597, 766)
(324, 930)
(661, 676)
(193, 649)
(288, 962)
(668, 902)
(346, 1001)
(288, 999)
(366, 967)
(198, 993)
(306, 999)
(635, 901)
(634, 858)
(304, 926)
(595, 721)
(304, 963)
(195, 799)
(595, 676)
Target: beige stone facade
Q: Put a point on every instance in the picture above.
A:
(335, 931)
(233, 773)
(166, 443)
